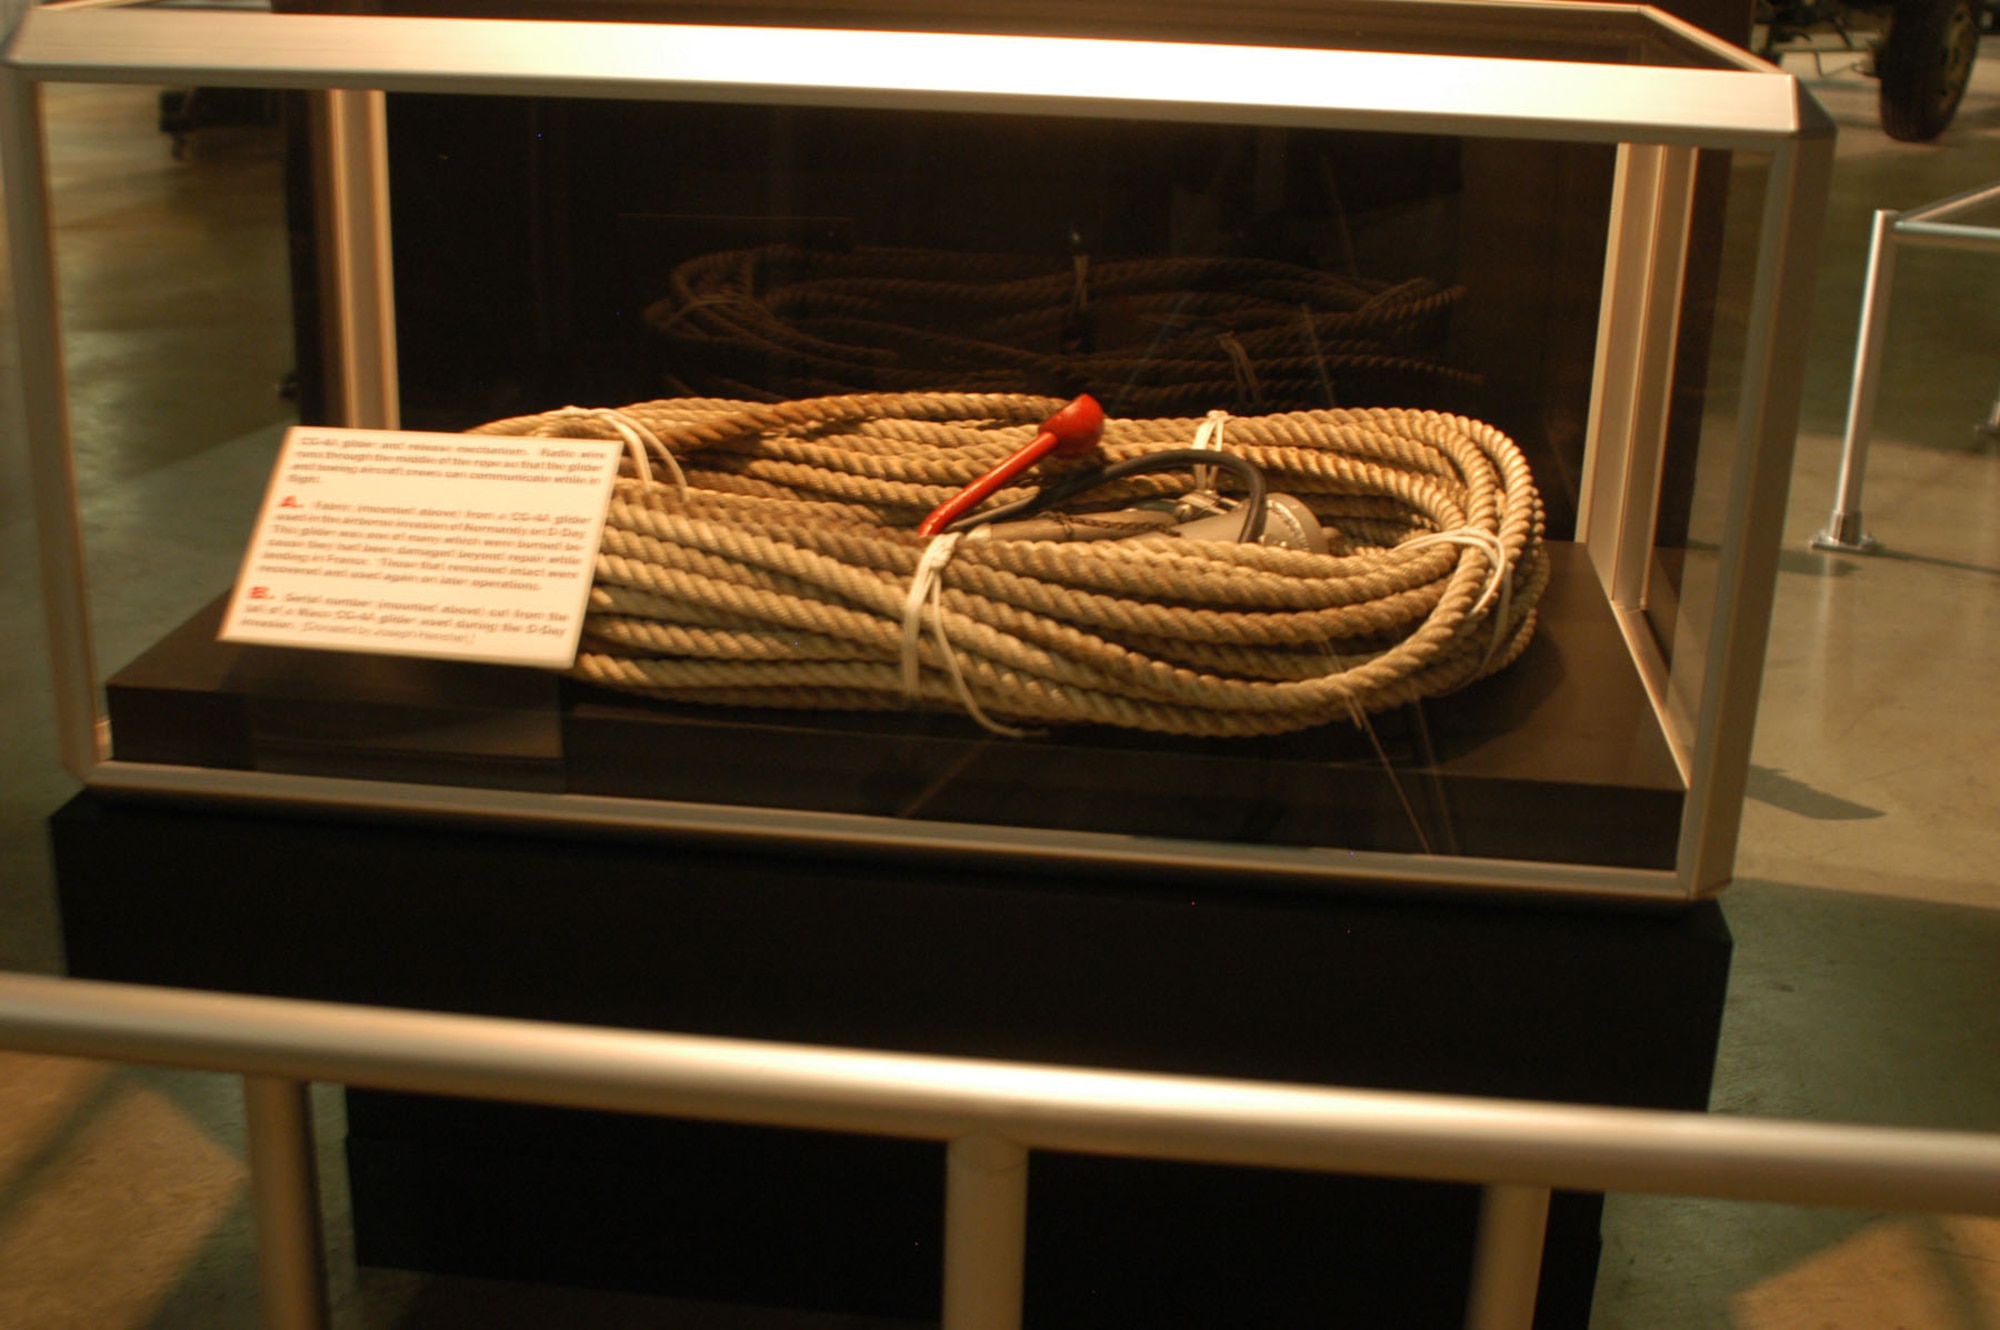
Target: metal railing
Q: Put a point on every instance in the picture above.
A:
(990, 1114)
(1924, 227)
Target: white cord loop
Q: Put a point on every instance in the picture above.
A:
(1245, 371)
(1207, 437)
(640, 442)
(927, 593)
(1499, 575)
(928, 579)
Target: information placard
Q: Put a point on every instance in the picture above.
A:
(451, 546)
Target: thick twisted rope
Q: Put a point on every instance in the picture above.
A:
(782, 574)
(1147, 336)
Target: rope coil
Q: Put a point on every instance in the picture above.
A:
(786, 574)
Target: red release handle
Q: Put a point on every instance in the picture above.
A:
(1070, 432)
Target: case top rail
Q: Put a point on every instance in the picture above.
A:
(1169, 81)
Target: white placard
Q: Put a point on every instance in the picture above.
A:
(452, 546)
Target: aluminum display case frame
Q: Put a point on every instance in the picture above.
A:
(1659, 117)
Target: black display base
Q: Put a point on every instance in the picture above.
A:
(1558, 758)
(1574, 1004)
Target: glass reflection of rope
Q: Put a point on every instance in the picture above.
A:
(1147, 336)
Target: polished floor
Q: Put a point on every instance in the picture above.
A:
(1867, 909)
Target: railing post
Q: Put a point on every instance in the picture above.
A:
(985, 1232)
(284, 1199)
(1507, 1257)
(1843, 532)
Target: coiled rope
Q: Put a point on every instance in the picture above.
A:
(780, 569)
(1145, 336)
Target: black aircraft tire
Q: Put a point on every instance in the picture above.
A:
(1925, 64)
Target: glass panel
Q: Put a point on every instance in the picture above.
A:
(1702, 431)
(169, 221)
(552, 253)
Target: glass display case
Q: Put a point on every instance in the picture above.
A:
(1450, 355)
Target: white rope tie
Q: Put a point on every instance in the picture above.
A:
(640, 443)
(699, 303)
(1319, 359)
(1499, 575)
(1208, 437)
(927, 591)
(1079, 299)
(1245, 371)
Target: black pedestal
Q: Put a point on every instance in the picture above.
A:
(1576, 1004)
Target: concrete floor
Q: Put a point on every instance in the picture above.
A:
(1866, 913)
(1866, 908)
